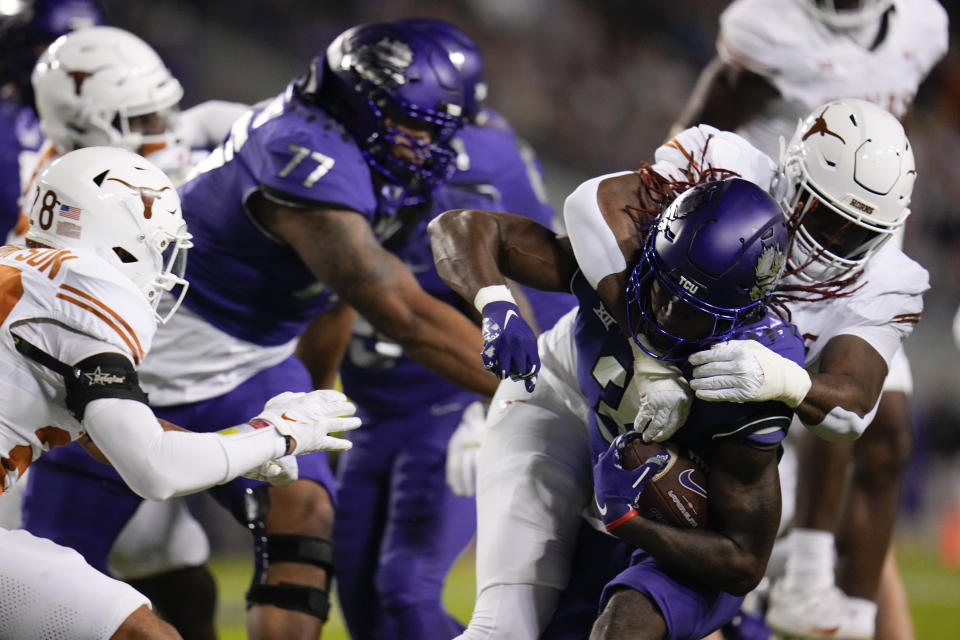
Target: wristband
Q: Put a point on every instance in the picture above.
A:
(255, 424)
(629, 515)
(492, 293)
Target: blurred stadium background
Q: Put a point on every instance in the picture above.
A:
(594, 86)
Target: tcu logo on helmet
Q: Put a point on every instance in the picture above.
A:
(689, 286)
(383, 63)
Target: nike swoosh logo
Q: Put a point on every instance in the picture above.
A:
(506, 318)
(687, 481)
(603, 509)
(286, 417)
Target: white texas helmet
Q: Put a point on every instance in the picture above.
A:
(91, 83)
(847, 14)
(849, 174)
(120, 206)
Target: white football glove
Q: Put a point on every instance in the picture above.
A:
(279, 472)
(309, 418)
(463, 450)
(665, 397)
(747, 371)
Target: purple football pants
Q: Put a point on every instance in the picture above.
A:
(399, 528)
(79, 503)
(602, 565)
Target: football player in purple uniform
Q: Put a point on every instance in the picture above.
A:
(24, 35)
(288, 215)
(705, 274)
(399, 527)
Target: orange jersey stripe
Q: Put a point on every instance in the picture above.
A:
(137, 351)
(116, 316)
(11, 290)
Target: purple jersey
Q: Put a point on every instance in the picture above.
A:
(243, 280)
(19, 131)
(605, 369)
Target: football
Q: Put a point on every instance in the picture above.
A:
(678, 494)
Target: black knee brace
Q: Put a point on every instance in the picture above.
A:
(285, 548)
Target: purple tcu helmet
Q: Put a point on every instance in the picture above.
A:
(31, 26)
(376, 78)
(707, 268)
(465, 56)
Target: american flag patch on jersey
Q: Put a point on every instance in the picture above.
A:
(69, 212)
(68, 229)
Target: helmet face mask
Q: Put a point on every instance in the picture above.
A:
(707, 268)
(103, 86)
(389, 85)
(848, 176)
(847, 14)
(120, 206)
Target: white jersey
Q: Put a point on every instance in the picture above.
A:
(195, 361)
(810, 64)
(883, 310)
(703, 147)
(70, 304)
(887, 304)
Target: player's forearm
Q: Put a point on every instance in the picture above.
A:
(701, 556)
(448, 343)
(837, 407)
(159, 464)
(845, 391)
(725, 96)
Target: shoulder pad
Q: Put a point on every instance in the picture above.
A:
(764, 36)
(892, 289)
(94, 298)
(927, 26)
(707, 146)
(304, 157)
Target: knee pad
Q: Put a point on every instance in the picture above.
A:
(285, 548)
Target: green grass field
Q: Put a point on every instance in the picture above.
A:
(934, 593)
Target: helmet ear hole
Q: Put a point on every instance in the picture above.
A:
(125, 256)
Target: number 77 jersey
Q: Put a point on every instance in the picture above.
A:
(243, 280)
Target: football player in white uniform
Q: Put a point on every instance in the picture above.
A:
(776, 62)
(79, 313)
(105, 86)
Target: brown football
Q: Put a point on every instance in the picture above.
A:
(678, 494)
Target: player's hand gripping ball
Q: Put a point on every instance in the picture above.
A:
(675, 495)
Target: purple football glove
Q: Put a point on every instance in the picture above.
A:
(617, 489)
(509, 345)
